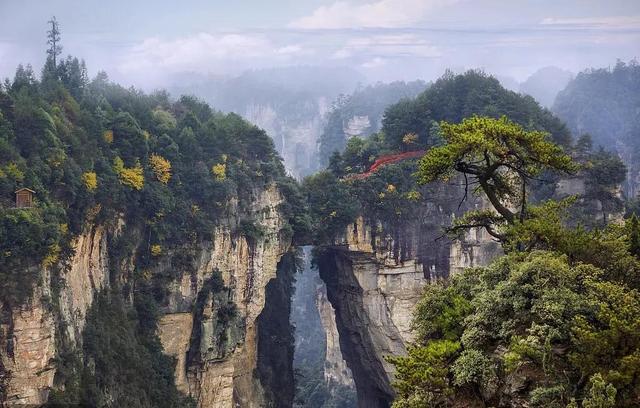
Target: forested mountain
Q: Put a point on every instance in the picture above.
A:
(360, 114)
(474, 249)
(605, 103)
(497, 334)
(131, 192)
(289, 103)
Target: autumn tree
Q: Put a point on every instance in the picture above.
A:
(499, 158)
(161, 168)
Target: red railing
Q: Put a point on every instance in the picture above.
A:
(385, 160)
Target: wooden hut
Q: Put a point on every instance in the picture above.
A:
(24, 198)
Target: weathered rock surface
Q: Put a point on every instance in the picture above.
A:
(375, 280)
(217, 360)
(357, 126)
(27, 355)
(335, 367)
(221, 373)
(28, 333)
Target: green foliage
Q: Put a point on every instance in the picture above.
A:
(443, 309)
(547, 319)
(124, 363)
(424, 374)
(601, 394)
(604, 173)
(457, 96)
(332, 207)
(500, 157)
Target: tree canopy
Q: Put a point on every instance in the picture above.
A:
(496, 156)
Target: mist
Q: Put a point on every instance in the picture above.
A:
(157, 46)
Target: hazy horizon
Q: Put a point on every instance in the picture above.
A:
(151, 45)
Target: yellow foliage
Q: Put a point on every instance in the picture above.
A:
(382, 195)
(414, 195)
(90, 180)
(146, 134)
(156, 250)
(64, 228)
(52, 256)
(161, 168)
(108, 136)
(219, 171)
(391, 188)
(410, 138)
(132, 177)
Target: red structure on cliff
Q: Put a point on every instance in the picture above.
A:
(385, 160)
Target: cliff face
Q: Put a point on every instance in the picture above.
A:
(375, 280)
(295, 135)
(214, 336)
(335, 367)
(29, 332)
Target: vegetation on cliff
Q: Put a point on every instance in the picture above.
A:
(94, 151)
(370, 103)
(605, 103)
(392, 194)
(161, 172)
(554, 323)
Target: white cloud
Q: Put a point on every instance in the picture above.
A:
(154, 58)
(200, 50)
(619, 22)
(381, 13)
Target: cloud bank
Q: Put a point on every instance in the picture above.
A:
(379, 14)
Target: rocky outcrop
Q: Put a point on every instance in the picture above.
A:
(222, 359)
(357, 126)
(174, 330)
(29, 332)
(212, 329)
(28, 350)
(374, 280)
(335, 367)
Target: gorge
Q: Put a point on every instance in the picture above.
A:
(170, 259)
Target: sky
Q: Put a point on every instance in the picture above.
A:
(149, 43)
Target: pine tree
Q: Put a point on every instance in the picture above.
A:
(53, 39)
(50, 71)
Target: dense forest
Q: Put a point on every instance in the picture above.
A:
(554, 321)
(95, 152)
